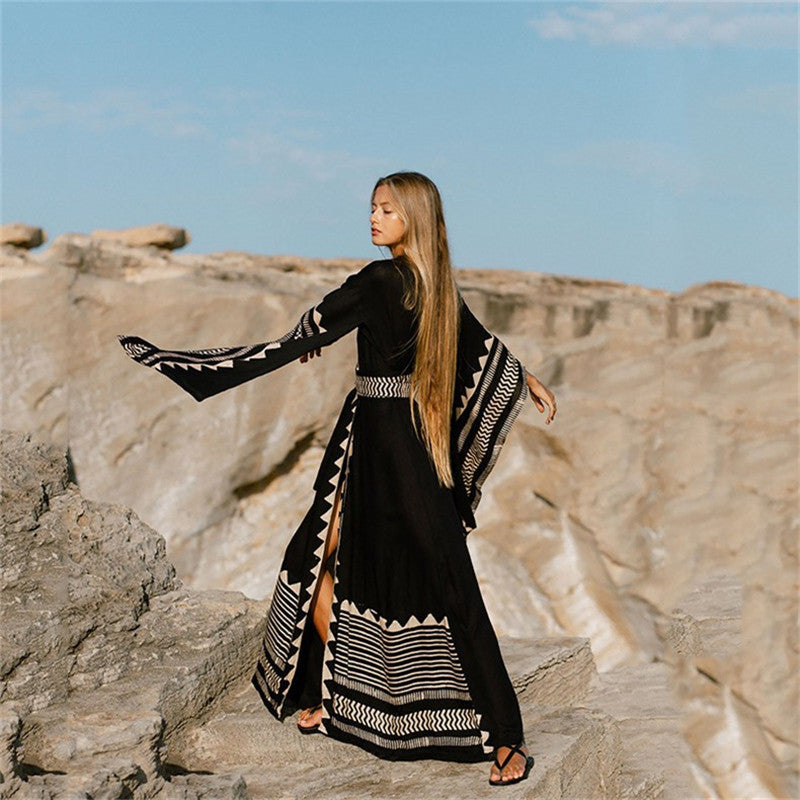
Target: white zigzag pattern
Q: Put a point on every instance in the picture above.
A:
(482, 384)
(489, 437)
(406, 723)
(383, 386)
(501, 436)
(488, 426)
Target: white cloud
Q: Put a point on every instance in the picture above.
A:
(104, 111)
(261, 148)
(658, 163)
(673, 24)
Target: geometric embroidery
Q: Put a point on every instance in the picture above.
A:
(280, 622)
(400, 685)
(278, 635)
(383, 385)
(485, 414)
(215, 358)
(424, 728)
(387, 657)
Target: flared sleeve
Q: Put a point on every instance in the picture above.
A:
(489, 394)
(204, 373)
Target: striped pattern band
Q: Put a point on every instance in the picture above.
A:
(400, 685)
(383, 385)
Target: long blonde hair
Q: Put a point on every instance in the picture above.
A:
(433, 296)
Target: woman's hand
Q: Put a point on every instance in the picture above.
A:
(310, 354)
(541, 396)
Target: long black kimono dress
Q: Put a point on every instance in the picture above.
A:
(411, 667)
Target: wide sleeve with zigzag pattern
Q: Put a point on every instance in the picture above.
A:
(204, 373)
(489, 395)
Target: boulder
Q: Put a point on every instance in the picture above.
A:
(166, 237)
(17, 234)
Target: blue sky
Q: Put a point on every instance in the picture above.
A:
(650, 143)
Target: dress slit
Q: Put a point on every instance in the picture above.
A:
(327, 650)
(310, 658)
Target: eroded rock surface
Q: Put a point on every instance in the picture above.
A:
(122, 683)
(657, 516)
(105, 656)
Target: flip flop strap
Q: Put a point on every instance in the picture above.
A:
(517, 748)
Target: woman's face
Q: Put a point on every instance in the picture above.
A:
(388, 229)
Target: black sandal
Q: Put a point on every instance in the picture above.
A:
(310, 728)
(517, 748)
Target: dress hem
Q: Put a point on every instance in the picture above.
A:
(463, 755)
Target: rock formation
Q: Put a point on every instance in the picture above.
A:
(120, 682)
(17, 234)
(656, 517)
(160, 235)
(105, 655)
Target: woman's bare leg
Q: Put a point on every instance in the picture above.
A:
(321, 604)
(322, 599)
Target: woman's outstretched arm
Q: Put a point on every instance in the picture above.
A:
(204, 373)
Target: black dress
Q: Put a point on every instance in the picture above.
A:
(411, 667)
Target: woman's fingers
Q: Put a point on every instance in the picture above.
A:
(310, 354)
(552, 406)
(550, 401)
(537, 402)
(542, 397)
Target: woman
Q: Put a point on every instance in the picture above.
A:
(376, 628)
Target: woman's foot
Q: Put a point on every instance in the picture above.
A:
(516, 768)
(310, 718)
